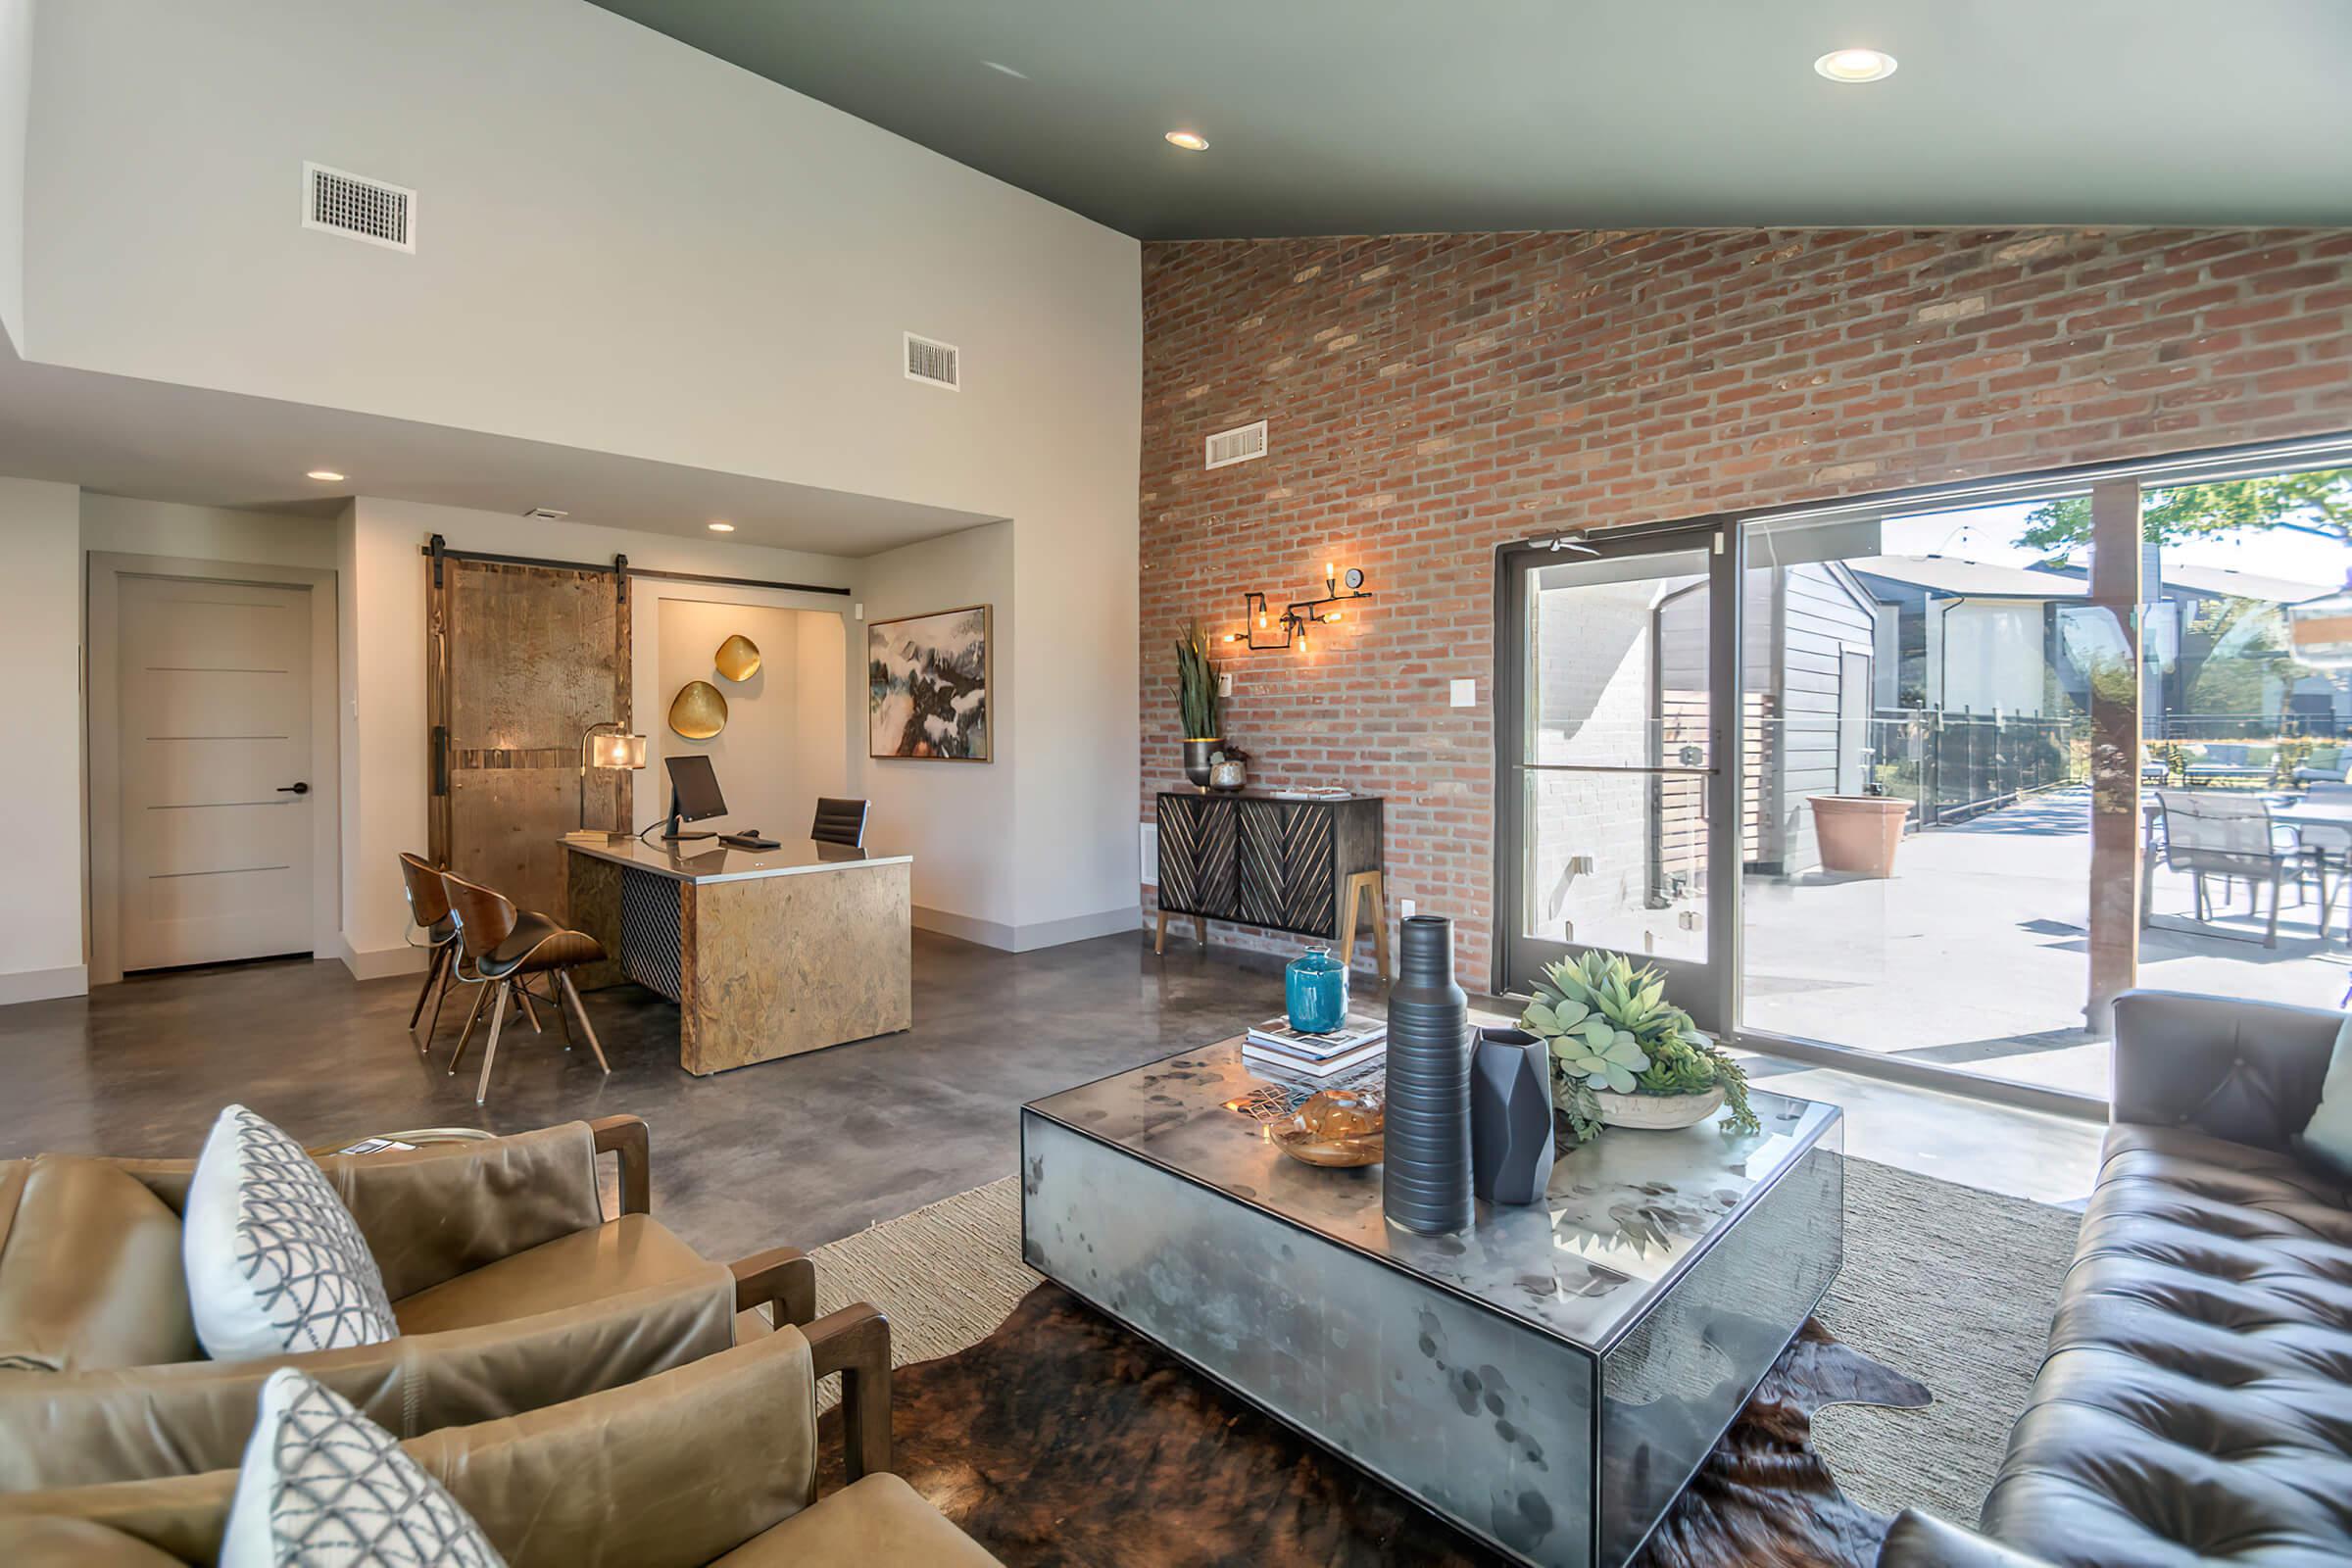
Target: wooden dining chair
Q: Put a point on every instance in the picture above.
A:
(428, 912)
(839, 822)
(505, 948)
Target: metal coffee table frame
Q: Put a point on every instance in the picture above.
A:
(1546, 1383)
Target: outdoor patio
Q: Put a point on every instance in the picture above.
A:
(1973, 952)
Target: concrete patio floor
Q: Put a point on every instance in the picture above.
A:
(1975, 952)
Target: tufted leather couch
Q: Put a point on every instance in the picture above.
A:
(2196, 1402)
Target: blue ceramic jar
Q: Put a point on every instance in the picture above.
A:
(1315, 990)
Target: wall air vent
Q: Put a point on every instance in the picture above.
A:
(358, 207)
(1242, 444)
(547, 514)
(934, 364)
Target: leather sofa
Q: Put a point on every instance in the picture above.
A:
(511, 1288)
(2196, 1402)
(710, 1464)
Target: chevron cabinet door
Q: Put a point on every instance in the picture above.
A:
(1198, 873)
(1262, 830)
(1309, 883)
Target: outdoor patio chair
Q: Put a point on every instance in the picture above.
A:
(2205, 834)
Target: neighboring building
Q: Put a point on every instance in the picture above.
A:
(1967, 636)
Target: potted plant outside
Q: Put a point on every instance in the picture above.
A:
(1622, 1055)
(1196, 703)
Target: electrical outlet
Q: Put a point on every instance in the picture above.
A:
(1225, 685)
(1406, 905)
(1465, 694)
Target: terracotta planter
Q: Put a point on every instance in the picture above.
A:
(1858, 833)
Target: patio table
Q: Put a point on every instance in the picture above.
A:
(2324, 824)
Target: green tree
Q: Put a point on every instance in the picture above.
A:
(2320, 501)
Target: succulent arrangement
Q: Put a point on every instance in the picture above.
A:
(1196, 684)
(1610, 1028)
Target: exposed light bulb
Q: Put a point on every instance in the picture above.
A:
(1332, 619)
(1261, 620)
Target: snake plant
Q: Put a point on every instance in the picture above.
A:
(1196, 684)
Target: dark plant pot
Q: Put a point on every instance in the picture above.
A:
(1425, 1177)
(1511, 1116)
(1196, 758)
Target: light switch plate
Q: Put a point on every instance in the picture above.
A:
(1150, 846)
(1406, 905)
(1225, 684)
(860, 609)
(1465, 694)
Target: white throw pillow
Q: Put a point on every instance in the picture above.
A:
(324, 1487)
(274, 1265)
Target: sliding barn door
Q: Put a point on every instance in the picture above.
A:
(523, 660)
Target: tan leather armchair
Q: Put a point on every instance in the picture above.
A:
(511, 1288)
(710, 1463)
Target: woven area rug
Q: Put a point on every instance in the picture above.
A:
(1949, 1285)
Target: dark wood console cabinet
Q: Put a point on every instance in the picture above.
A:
(1301, 867)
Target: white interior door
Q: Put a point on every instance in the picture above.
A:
(214, 721)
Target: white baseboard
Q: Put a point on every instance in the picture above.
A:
(44, 985)
(1027, 938)
(381, 963)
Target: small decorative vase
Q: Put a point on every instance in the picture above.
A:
(1425, 1178)
(1314, 988)
(1511, 1116)
(1228, 773)
(1196, 758)
(1658, 1113)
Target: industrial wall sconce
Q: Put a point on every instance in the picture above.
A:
(1298, 614)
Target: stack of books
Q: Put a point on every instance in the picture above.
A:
(1274, 1044)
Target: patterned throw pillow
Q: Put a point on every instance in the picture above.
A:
(324, 1487)
(274, 1265)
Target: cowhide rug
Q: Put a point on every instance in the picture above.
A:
(1063, 1438)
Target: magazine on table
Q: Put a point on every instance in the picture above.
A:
(1360, 1029)
(1262, 1059)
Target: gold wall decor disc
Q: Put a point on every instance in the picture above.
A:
(699, 711)
(738, 658)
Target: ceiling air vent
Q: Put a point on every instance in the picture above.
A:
(1241, 444)
(934, 364)
(547, 514)
(358, 207)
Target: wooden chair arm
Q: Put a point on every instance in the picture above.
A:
(783, 1275)
(855, 1342)
(628, 1137)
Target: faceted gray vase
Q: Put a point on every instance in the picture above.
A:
(1425, 1177)
(1511, 1116)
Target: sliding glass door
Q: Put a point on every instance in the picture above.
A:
(1917, 786)
(1613, 749)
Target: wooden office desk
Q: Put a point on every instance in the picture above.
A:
(768, 953)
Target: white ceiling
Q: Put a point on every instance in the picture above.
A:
(161, 442)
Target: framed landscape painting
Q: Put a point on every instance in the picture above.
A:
(927, 680)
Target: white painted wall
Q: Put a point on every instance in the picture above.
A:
(15, 105)
(784, 743)
(134, 527)
(628, 246)
(41, 793)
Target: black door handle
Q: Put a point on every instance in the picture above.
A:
(293, 789)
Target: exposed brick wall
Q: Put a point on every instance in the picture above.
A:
(1432, 397)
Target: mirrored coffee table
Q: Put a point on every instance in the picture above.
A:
(1546, 1381)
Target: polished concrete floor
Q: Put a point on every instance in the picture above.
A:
(799, 1150)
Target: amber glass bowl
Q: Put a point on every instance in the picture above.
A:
(1339, 1127)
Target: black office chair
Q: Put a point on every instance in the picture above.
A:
(840, 822)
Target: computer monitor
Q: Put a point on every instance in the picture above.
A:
(692, 794)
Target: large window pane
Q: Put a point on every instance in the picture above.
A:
(1617, 733)
(1919, 754)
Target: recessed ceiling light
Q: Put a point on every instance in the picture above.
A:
(723, 527)
(1192, 141)
(325, 476)
(1855, 65)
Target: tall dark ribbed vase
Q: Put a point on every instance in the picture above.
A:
(1426, 1168)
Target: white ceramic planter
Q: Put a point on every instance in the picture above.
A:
(1657, 1112)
